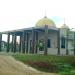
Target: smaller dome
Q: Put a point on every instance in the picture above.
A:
(64, 26)
(45, 21)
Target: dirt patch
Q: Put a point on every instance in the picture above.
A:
(9, 66)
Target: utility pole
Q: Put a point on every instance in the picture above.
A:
(74, 42)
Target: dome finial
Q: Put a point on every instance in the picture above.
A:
(64, 21)
(64, 25)
(45, 14)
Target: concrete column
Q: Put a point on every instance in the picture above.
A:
(36, 48)
(14, 42)
(8, 41)
(74, 43)
(20, 44)
(46, 39)
(23, 42)
(58, 41)
(0, 41)
(67, 52)
(33, 41)
(27, 38)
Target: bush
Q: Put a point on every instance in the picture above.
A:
(44, 66)
(67, 73)
(64, 73)
(73, 64)
(64, 67)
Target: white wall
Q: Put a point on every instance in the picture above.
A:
(53, 50)
(53, 37)
(70, 47)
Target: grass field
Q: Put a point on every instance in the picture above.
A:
(49, 58)
(47, 63)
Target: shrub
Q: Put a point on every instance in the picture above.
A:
(49, 66)
(73, 64)
(64, 67)
(43, 65)
(67, 73)
(64, 73)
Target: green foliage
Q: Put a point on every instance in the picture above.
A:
(68, 73)
(64, 67)
(50, 58)
(64, 73)
(43, 66)
(48, 63)
(40, 45)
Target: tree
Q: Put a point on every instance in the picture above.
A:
(41, 45)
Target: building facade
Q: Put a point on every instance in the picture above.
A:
(44, 38)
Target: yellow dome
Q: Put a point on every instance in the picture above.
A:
(45, 21)
(64, 26)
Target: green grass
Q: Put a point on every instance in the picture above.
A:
(41, 62)
(49, 58)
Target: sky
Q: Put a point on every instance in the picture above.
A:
(17, 14)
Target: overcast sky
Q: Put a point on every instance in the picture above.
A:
(16, 14)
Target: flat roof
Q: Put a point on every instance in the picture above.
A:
(27, 29)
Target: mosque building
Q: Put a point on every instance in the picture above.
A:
(44, 38)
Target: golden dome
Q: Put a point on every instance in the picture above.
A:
(45, 21)
(64, 26)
